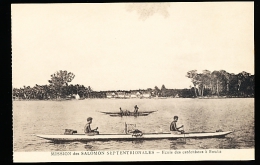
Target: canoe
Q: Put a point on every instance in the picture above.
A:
(140, 113)
(130, 112)
(125, 137)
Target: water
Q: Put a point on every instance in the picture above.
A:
(52, 117)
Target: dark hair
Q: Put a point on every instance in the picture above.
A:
(175, 117)
(89, 118)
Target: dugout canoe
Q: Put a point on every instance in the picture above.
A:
(119, 115)
(126, 137)
(140, 113)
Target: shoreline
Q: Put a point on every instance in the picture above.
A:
(130, 98)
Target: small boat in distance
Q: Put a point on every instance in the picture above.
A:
(119, 114)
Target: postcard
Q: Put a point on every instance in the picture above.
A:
(133, 81)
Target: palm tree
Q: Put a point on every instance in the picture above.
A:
(192, 75)
(225, 79)
(243, 77)
(216, 79)
(156, 91)
(89, 91)
(206, 80)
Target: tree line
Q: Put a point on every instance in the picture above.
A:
(222, 83)
(58, 88)
(205, 84)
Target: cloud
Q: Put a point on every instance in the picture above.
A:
(146, 10)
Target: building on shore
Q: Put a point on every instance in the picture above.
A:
(129, 94)
(76, 96)
(121, 94)
(138, 94)
(146, 94)
(111, 94)
(134, 94)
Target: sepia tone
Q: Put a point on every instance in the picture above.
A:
(136, 79)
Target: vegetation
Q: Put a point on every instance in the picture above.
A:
(57, 88)
(59, 82)
(222, 83)
(205, 84)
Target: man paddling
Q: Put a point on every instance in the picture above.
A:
(121, 111)
(87, 128)
(124, 113)
(173, 127)
(136, 109)
(127, 113)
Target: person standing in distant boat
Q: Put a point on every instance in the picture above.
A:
(136, 109)
(87, 128)
(121, 111)
(173, 127)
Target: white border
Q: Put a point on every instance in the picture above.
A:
(142, 155)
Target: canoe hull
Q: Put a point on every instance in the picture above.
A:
(118, 114)
(125, 137)
(131, 114)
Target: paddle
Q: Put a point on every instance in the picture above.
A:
(184, 134)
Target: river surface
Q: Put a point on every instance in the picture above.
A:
(197, 115)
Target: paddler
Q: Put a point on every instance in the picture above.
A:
(127, 113)
(173, 127)
(121, 111)
(136, 109)
(87, 128)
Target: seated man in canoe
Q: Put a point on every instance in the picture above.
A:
(127, 113)
(87, 128)
(173, 127)
(124, 113)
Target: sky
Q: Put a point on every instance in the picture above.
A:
(123, 46)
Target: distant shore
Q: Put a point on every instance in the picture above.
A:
(155, 98)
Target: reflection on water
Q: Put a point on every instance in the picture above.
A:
(178, 144)
(136, 142)
(88, 147)
(197, 115)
